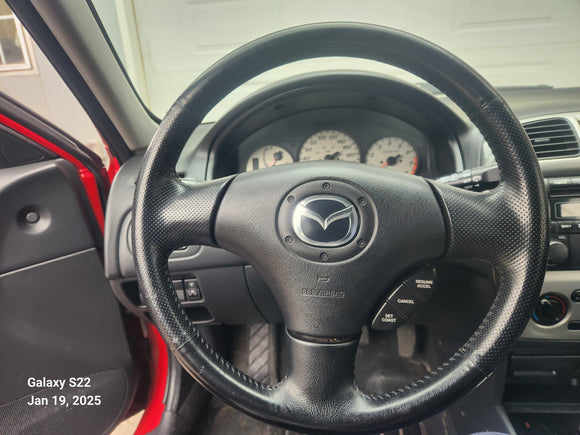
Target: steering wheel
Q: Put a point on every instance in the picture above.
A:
(328, 238)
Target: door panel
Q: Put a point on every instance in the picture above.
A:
(44, 191)
(59, 318)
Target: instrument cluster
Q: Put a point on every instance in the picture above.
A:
(390, 152)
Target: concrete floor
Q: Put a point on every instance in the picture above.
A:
(128, 427)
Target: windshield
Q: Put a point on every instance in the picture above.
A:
(165, 45)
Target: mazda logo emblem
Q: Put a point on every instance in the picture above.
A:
(325, 220)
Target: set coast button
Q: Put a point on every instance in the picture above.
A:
(387, 318)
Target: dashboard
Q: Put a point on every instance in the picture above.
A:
(357, 118)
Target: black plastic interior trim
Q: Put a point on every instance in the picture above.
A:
(322, 340)
(118, 59)
(51, 190)
(34, 122)
(72, 327)
(28, 151)
(335, 90)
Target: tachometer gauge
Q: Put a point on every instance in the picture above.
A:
(268, 156)
(329, 145)
(393, 153)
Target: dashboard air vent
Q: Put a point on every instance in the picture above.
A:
(553, 137)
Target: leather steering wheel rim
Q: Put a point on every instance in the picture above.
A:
(506, 227)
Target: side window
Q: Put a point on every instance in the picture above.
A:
(14, 51)
(27, 76)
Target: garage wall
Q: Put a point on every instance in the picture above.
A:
(511, 42)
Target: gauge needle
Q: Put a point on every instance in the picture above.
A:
(332, 156)
(277, 156)
(391, 161)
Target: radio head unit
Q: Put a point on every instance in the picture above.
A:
(564, 194)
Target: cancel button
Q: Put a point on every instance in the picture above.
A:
(405, 301)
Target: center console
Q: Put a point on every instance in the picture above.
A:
(544, 367)
(557, 314)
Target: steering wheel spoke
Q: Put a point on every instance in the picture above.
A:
(321, 373)
(481, 226)
(183, 213)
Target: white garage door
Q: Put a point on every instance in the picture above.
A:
(166, 44)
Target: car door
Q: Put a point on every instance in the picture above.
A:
(65, 365)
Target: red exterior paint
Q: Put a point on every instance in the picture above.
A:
(92, 189)
(159, 367)
(113, 165)
(87, 178)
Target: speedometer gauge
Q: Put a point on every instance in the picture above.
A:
(393, 153)
(329, 145)
(268, 156)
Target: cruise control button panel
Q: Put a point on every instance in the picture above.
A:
(406, 300)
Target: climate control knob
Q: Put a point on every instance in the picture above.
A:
(558, 253)
(549, 310)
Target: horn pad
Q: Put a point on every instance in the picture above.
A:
(326, 221)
